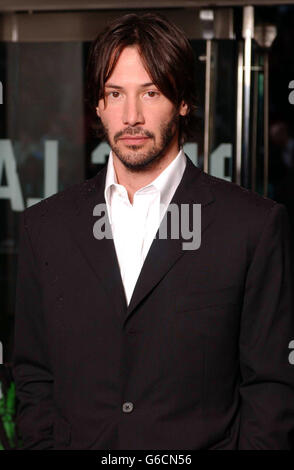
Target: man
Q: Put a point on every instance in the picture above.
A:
(131, 341)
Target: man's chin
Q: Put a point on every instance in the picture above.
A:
(131, 153)
(134, 146)
(137, 161)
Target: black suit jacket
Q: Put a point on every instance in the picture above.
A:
(201, 352)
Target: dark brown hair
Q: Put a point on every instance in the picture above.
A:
(166, 54)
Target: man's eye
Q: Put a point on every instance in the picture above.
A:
(152, 93)
(114, 93)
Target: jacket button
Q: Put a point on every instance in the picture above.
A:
(127, 407)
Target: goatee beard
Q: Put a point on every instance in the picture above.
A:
(137, 161)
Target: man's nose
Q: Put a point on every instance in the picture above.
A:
(132, 113)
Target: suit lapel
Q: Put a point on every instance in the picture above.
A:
(163, 253)
(99, 254)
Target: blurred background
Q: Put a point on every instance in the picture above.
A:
(244, 81)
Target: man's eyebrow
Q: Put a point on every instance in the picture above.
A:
(117, 87)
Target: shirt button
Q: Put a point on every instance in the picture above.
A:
(127, 407)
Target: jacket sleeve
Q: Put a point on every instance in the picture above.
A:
(30, 365)
(266, 329)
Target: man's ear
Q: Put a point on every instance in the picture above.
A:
(97, 111)
(184, 109)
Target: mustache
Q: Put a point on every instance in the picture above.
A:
(131, 132)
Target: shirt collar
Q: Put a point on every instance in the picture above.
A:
(166, 182)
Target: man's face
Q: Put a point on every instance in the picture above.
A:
(140, 123)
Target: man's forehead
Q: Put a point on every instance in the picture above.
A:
(129, 65)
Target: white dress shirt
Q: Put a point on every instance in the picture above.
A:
(134, 226)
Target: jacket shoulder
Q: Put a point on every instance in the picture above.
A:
(63, 203)
(234, 196)
(244, 212)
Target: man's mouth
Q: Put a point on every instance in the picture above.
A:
(134, 140)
